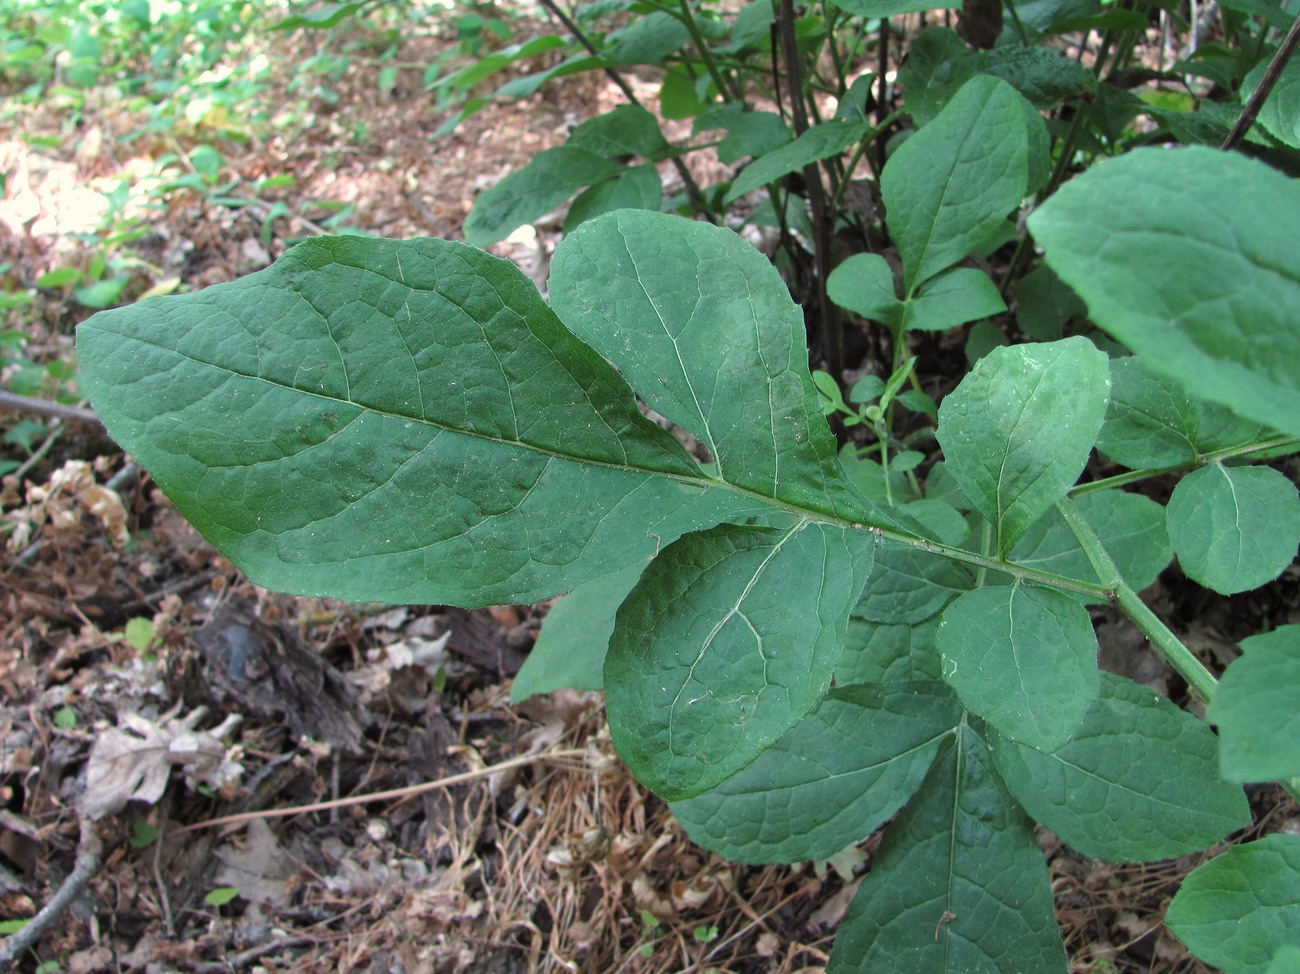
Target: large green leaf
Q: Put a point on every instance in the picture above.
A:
(635, 188)
(1239, 909)
(877, 652)
(949, 188)
(864, 284)
(716, 655)
(703, 327)
(628, 130)
(550, 178)
(1191, 258)
(1234, 528)
(959, 885)
(1255, 709)
(388, 421)
(872, 9)
(831, 780)
(1024, 658)
(1280, 114)
(951, 299)
(1019, 428)
(1137, 781)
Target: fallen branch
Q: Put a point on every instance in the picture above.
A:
(43, 407)
(379, 796)
(89, 851)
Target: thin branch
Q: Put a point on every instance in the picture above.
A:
(1274, 71)
(89, 851)
(43, 407)
(379, 796)
(698, 203)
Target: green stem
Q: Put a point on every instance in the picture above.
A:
(701, 45)
(1166, 643)
(1289, 444)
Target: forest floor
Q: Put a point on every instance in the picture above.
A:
(392, 809)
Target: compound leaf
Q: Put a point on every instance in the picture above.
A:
(831, 780)
(1189, 258)
(949, 188)
(959, 884)
(1024, 658)
(1239, 909)
(716, 655)
(1255, 709)
(1234, 528)
(393, 421)
(1018, 430)
(1138, 780)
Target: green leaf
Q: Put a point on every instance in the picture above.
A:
(701, 324)
(1138, 781)
(716, 655)
(1286, 961)
(831, 780)
(749, 133)
(1234, 528)
(550, 178)
(1255, 709)
(636, 188)
(1131, 528)
(951, 299)
(1018, 430)
(864, 284)
(570, 650)
(1280, 114)
(1024, 658)
(396, 422)
(873, 9)
(60, 277)
(876, 652)
(648, 39)
(1151, 422)
(1188, 257)
(908, 585)
(221, 896)
(819, 142)
(490, 64)
(329, 15)
(1238, 910)
(628, 130)
(959, 884)
(949, 188)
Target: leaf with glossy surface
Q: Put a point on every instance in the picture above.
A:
(703, 326)
(831, 780)
(948, 189)
(1138, 781)
(550, 178)
(818, 143)
(1234, 528)
(1255, 709)
(1018, 430)
(1237, 910)
(1024, 658)
(392, 421)
(716, 655)
(1191, 258)
(959, 883)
